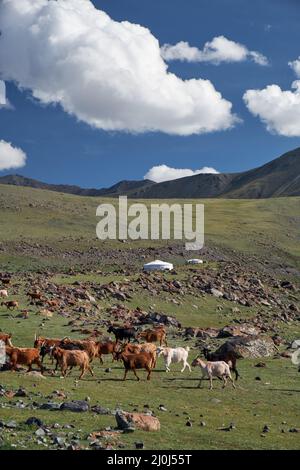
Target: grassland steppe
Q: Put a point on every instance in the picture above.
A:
(252, 249)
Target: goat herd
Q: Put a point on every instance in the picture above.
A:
(69, 353)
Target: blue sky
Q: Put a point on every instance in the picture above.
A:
(61, 149)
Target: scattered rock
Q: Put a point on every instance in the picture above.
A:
(227, 428)
(21, 392)
(40, 432)
(287, 285)
(215, 401)
(36, 374)
(249, 346)
(239, 330)
(77, 406)
(99, 410)
(139, 445)
(60, 441)
(50, 406)
(11, 425)
(216, 293)
(162, 408)
(141, 421)
(154, 317)
(33, 421)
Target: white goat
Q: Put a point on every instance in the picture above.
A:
(174, 355)
(218, 369)
(3, 293)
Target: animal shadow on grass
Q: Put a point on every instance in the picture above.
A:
(189, 379)
(170, 381)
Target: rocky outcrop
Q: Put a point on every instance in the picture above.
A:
(249, 346)
(130, 421)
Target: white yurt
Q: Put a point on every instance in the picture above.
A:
(195, 261)
(158, 265)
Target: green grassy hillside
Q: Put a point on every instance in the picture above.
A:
(43, 234)
(266, 228)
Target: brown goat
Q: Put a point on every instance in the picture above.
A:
(153, 336)
(136, 361)
(34, 295)
(110, 347)
(71, 359)
(89, 346)
(139, 348)
(44, 344)
(48, 342)
(10, 304)
(24, 356)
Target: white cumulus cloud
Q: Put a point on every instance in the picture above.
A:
(278, 109)
(162, 173)
(220, 49)
(2, 94)
(108, 74)
(11, 157)
(295, 65)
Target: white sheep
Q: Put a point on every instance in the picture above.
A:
(3, 293)
(174, 355)
(218, 369)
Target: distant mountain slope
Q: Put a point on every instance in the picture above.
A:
(278, 178)
(123, 187)
(198, 186)
(18, 180)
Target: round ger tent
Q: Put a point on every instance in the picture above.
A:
(158, 265)
(195, 261)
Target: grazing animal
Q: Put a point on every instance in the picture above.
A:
(153, 336)
(34, 295)
(218, 369)
(110, 347)
(144, 347)
(44, 344)
(72, 359)
(136, 361)
(230, 357)
(89, 346)
(10, 304)
(123, 334)
(3, 293)
(6, 339)
(25, 313)
(24, 356)
(174, 355)
(159, 327)
(52, 303)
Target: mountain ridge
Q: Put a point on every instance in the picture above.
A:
(277, 178)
